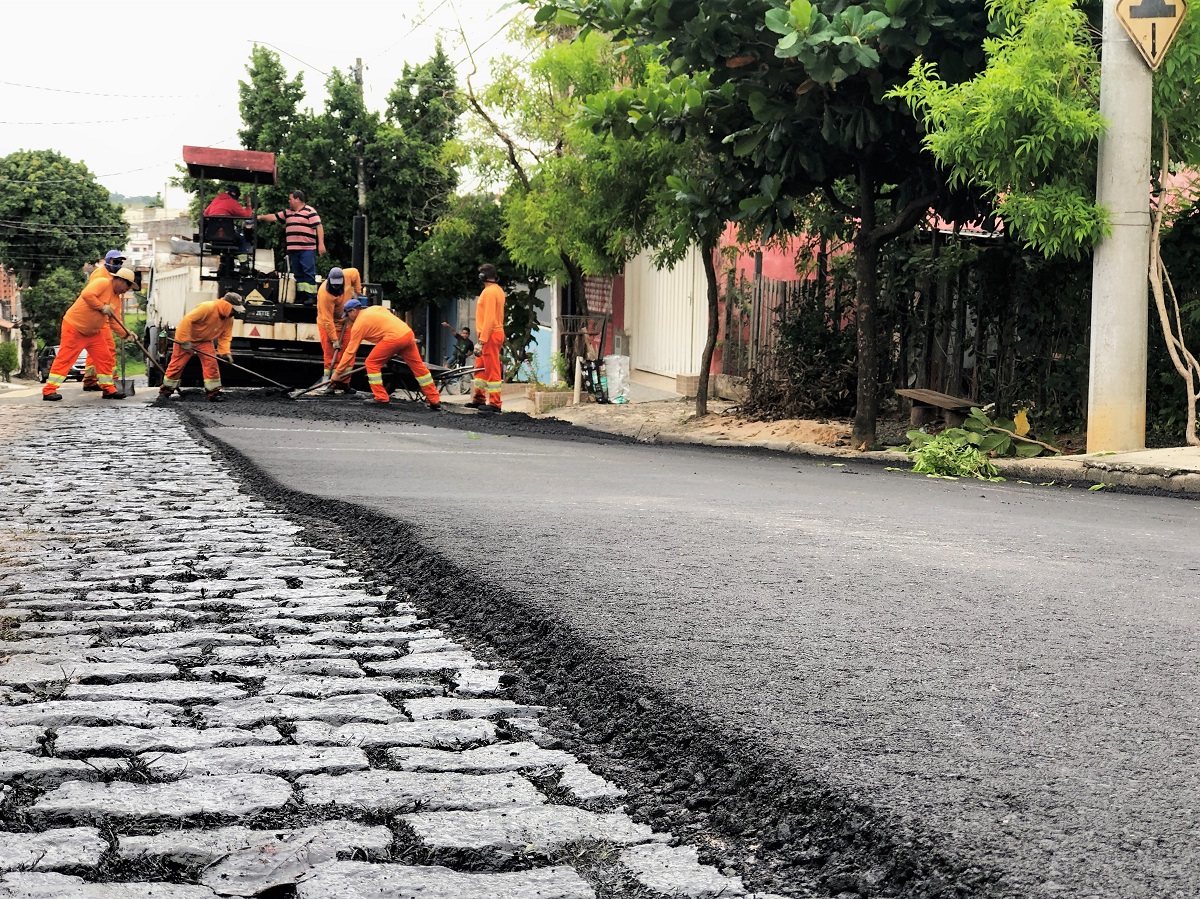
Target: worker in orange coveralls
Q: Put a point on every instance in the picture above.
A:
(114, 261)
(208, 331)
(392, 337)
(85, 327)
(339, 285)
(489, 328)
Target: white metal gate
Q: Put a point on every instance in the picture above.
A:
(666, 315)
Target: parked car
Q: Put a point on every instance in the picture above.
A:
(46, 359)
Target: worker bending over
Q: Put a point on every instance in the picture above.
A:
(86, 326)
(391, 337)
(114, 261)
(206, 331)
(339, 285)
(489, 326)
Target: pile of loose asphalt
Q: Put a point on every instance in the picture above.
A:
(749, 812)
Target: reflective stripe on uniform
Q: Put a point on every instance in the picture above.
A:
(105, 380)
(493, 386)
(305, 287)
(374, 377)
(56, 379)
(425, 380)
(168, 382)
(213, 384)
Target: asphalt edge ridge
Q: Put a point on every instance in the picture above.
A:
(847, 833)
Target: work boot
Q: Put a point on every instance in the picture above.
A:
(51, 397)
(214, 396)
(374, 402)
(474, 404)
(330, 390)
(91, 387)
(489, 408)
(164, 393)
(115, 395)
(435, 407)
(345, 388)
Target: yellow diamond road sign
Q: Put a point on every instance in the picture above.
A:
(1152, 24)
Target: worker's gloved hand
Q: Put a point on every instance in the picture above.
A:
(337, 345)
(106, 309)
(479, 349)
(187, 346)
(225, 357)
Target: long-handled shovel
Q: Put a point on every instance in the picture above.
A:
(137, 343)
(249, 371)
(295, 395)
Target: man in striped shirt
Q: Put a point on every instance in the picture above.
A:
(305, 239)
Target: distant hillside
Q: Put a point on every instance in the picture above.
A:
(154, 202)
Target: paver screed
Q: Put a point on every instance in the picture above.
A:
(195, 703)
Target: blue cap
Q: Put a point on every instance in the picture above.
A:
(353, 304)
(113, 254)
(336, 276)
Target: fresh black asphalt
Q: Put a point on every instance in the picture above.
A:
(998, 682)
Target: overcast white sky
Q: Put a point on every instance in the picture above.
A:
(123, 86)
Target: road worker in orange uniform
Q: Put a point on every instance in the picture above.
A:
(339, 285)
(391, 337)
(86, 326)
(206, 331)
(489, 326)
(114, 261)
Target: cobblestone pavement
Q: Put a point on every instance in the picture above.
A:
(194, 702)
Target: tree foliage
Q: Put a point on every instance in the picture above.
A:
(794, 99)
(53, 215)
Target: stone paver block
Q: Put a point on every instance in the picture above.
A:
(497, 757)
(475, 683)
(36, 670)
(227, 670)
(176, 639)
(337, 710)
(59, 713)
(377, 789)
(204, 847)
(434, 734)
(377, 638)
(584, 784)
(545, 828)
(359, 880)
(240, 794)
(23, 738)
(287, 761)
(423, 661)
(325, 611)
(676, 871)
(322, 687)
(52, 850)
(394, 623)
(321, 667)
(452, 706)
(73, 742)
(39, 769)
(156, 691)
(34, 885)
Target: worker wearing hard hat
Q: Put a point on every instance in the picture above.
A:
(206, 331)
(339, 285)
(489, 326)
(392, 337)
(114, 261)
(85, 327)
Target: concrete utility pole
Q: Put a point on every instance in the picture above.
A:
(360, 220)
(1117, 386)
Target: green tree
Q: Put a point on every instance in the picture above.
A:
(794, 97)
(1023, 129)
(53, 214)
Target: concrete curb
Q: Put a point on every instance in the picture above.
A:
(1075, 469)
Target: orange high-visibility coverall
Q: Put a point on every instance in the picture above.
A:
(489, 323)
(210, 333)
(329, 316)
(85, 327)
(391, 337)
(89, 372)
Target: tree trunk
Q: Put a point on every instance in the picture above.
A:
(579, 302)
(866, 263)
(710, 345)
(29, 352)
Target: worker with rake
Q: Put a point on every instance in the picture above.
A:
(85, 327)
(392, 337)
(206, 331)
(339, 286)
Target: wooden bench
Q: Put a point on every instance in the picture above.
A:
(954, 409)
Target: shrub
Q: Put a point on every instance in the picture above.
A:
(8, 359)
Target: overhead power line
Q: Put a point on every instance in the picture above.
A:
(63, 90)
